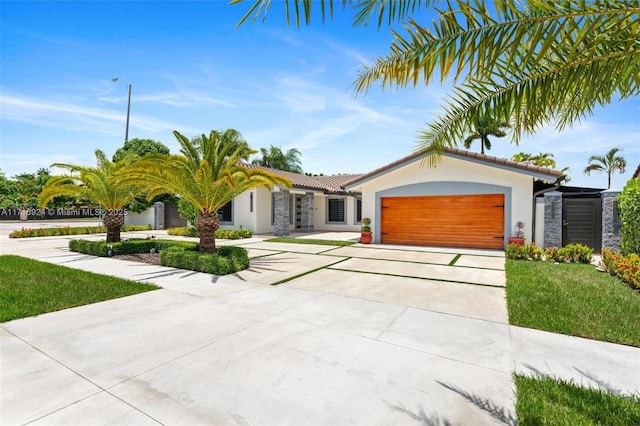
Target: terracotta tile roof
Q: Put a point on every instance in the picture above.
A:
(333, 183)
(454, 152)
(637, 172)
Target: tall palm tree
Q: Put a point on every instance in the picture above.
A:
(608, 163)
(483, 128)
(97, 185)
(536, 62)
(208, 174)
(274, 157)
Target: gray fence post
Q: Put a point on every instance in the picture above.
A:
(158, 215)
(610, 220)
(553, 219)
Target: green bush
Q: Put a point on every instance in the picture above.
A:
(101, 248)
(233, 234)
(227, 260)
(571, 253)
(629, 208)
(626, 268)
(67, 230)
(184, 231)
(221, 234)
(525, 252)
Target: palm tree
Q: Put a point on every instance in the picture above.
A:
(276, 159)
(97, 185)
(534, 62)
(208, 174)
(544, 159)
(608, 163)
(483, 128)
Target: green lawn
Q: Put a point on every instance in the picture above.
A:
(572, 299)
(546, 401)
(29, 287)
(309, 241)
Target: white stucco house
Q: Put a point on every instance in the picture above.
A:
(467, 200)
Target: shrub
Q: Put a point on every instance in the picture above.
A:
(233, 234)
(227, 260)
(67, 230)
(572, 253)
(222, 234)
(101, 248)
(629, 208)
(525, 252)
(185, 231)
(626, 268)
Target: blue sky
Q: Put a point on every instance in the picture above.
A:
(191, 70)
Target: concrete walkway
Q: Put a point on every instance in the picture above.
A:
(369, 335)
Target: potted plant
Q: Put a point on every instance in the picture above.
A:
(518, 237)
(365, 231)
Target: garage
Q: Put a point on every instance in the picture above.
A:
(473, 221)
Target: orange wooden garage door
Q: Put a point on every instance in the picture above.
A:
(474, 221)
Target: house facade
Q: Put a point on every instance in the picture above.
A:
(467, 200)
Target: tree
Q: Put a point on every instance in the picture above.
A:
(608, 163)
(484, 127)
(528, 62)
(141, 147)
(99, 186)
(208, 174)
(9, 193)
(544, 159)
(276, 159)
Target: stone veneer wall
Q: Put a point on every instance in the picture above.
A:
(281, 213)
(553, 219)
(610, 220)
(307, 218)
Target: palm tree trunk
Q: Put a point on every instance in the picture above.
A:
(113, 221)
(207, 224)
(609, 179)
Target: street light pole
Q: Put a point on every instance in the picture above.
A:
(126, 130)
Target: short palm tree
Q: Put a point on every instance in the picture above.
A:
(208, 174)
(483, 128)
(98, 186)
(608, 163)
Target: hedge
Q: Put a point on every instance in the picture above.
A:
(101, 248)
(67, 230)
(629, 208)
(571, 253)
(221, 234)
(227, 260)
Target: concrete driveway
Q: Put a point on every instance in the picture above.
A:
(354, 335)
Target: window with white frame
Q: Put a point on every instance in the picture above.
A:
(358, 210)
(336, 210)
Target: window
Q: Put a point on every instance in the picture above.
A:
(336, 210)
(358, 210)
(251, 202)
(225, 214)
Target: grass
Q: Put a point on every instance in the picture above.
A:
(547, 401)
(572, 299)
(30, 287)
(67, 230)
(310, 241)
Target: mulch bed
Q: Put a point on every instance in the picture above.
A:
(152, 259)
